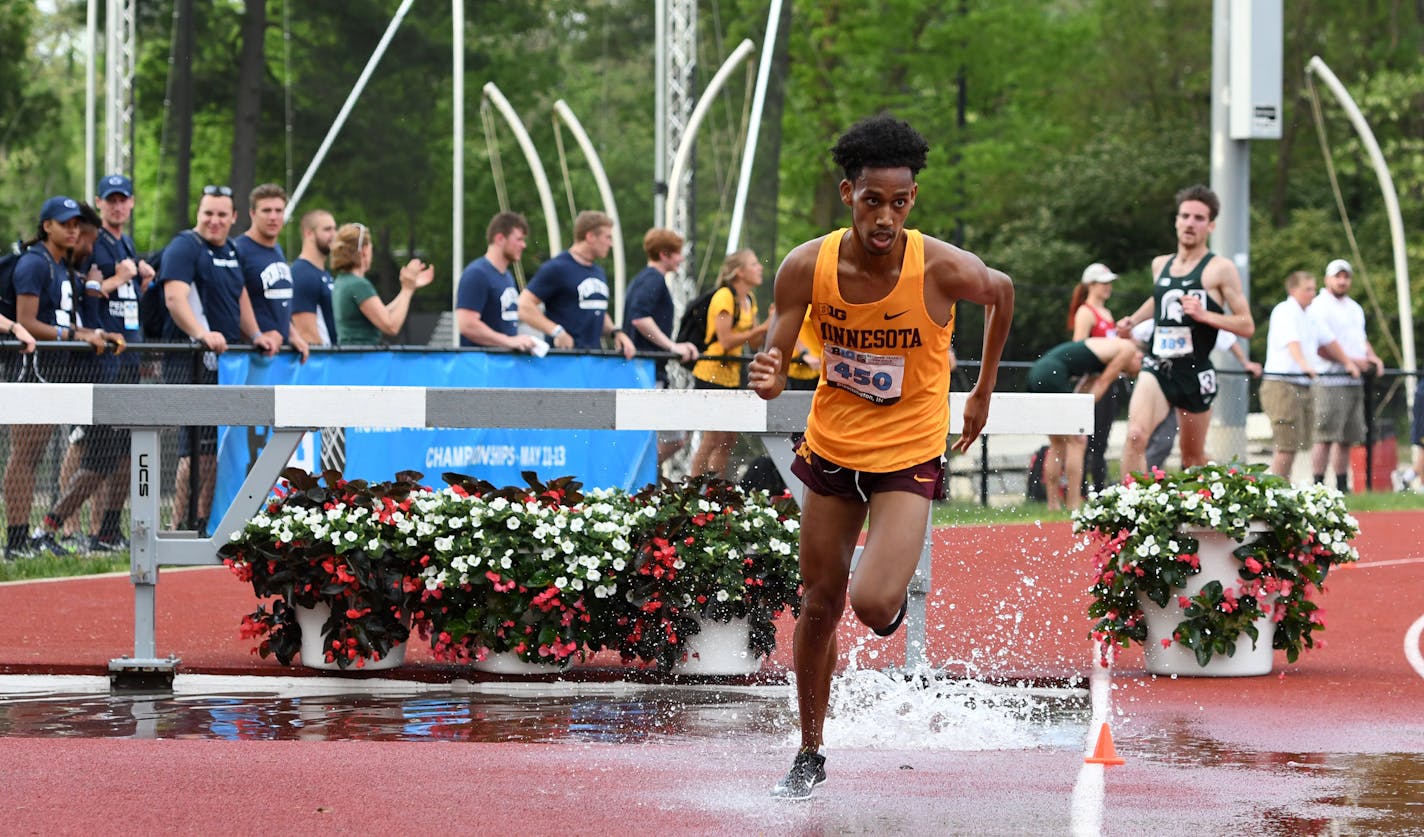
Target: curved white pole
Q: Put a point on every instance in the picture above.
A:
(739, 206)
(1391, 206)
(620, 266)
(536, 166)
(704, 102)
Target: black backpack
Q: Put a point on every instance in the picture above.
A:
(7, 275)
(693, 327)
(152, 309)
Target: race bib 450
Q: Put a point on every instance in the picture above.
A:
(876, 378)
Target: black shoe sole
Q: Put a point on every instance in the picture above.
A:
(899, 617)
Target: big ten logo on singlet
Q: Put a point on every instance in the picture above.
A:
(593, 294)
(123, 306)
(509, 305)
(878, 379)
(277, 283)
(830, 312)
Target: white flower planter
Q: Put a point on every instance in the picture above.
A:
(508, 662)
(314, 644)
(719, 648)
(1217, 564)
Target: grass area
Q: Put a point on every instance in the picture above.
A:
(965, 513)
(50, 566)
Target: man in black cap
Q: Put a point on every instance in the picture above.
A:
(124, 276)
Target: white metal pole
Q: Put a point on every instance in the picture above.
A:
(704, 102)
(91, 30)
(605, 191)
(346, 107)
(1391, 207)
(457, 163)
(768, 49)
(660, 111)
(536, 166)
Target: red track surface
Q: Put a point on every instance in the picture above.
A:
(1008, 601)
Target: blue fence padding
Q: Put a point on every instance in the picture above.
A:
(599, 458)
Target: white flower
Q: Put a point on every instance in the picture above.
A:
(723, 595)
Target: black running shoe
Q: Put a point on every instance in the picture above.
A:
(45, 543)
(899, 617)
(807, 771)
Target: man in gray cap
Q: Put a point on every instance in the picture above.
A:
(1339, 394)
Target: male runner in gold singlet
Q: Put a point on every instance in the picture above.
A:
(881, 298)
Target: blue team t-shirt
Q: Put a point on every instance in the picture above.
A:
(647, 296)
(37, 274)
(215, 272)
(269, 283)
(119, 312)
(311, 294)
(575, 296)
(492, 295)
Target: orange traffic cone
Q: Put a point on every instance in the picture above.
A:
(1104, 753)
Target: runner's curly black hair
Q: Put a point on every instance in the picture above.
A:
(879, 142)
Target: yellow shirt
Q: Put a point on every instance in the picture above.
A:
(883, 403)
(721, 372)
(808, 338)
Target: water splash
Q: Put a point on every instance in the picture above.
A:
(925, 708)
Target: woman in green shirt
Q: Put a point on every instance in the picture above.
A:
(361, 318)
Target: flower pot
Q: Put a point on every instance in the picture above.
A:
(508, 662)
(314, 644)
(719, 648)
(1217, 564)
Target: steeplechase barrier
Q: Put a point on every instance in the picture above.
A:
(292, 411)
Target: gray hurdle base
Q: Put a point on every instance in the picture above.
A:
(293, 410)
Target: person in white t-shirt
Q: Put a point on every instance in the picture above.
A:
(1340, 395)
(1293, 361)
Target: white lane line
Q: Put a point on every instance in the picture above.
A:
(1411, 646)
(1364, 565)
(1089, 789)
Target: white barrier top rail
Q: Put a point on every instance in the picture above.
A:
(135, 405)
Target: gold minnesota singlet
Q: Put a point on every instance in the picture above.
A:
(883, 403)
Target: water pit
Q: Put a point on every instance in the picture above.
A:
(869, 709)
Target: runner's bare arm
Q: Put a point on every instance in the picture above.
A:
(960, 275)
(1222, 277)
(792, 294)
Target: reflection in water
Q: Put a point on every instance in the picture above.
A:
(667, 714)
(655, 714)
(1381, 793)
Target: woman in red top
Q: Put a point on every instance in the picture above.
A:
(1088, 316)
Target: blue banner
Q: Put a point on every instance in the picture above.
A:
(598, 458)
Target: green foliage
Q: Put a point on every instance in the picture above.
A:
(1079, 122)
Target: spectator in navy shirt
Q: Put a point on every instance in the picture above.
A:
(312, 315)
(124, 274)
(648, 309)
(41, 299)
(574, 291)
(487, 306)
(207, 303)
(264, 267)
